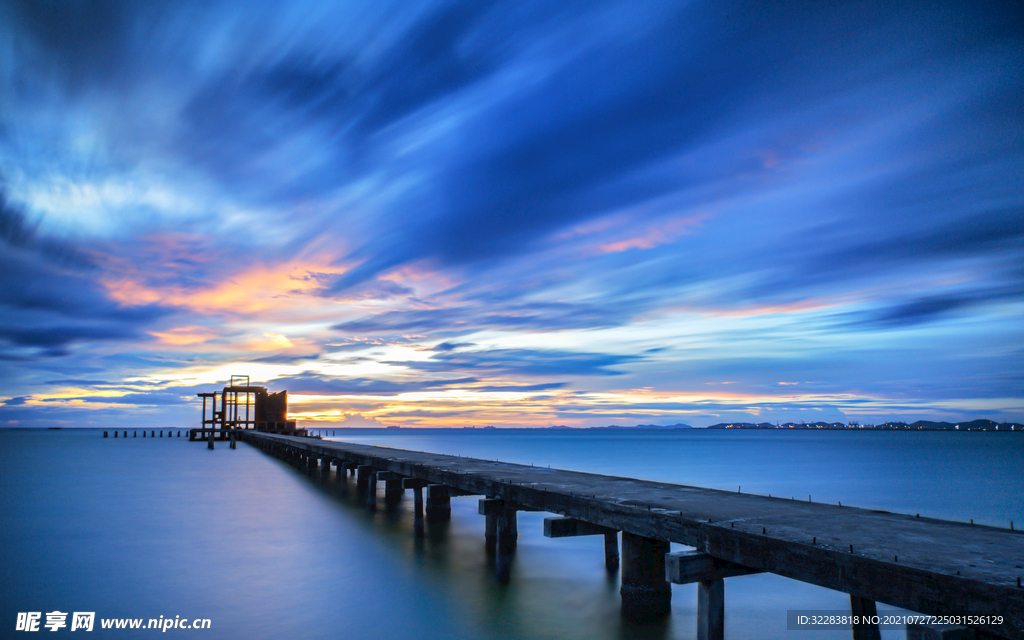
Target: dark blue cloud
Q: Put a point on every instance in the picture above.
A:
(317, 384)
(524, 362)
(49, 296)
(151, 398)
(512, 314)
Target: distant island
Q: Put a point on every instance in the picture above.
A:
(920, 425)
(639, 426)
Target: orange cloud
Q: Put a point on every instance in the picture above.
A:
(257, 288)
(185, 335)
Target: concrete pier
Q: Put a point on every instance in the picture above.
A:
(925, 565)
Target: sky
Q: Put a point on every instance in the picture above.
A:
(520, 213)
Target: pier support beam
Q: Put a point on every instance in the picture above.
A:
(570, 527)
(490, 508)
(862, 607)
(346, 467)
(367, 483)
(684, 567)
(393, 488)
(439, 503)
(501, 534)
(646, 594)
(508, 528)
(709, 573)
(417, 503)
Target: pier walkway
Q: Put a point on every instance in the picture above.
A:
(929, 566)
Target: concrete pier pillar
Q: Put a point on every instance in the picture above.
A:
(233, 445)
(115, 434)
(143, 434)
(393, 492)
(711, 609)
(417, 503)
(371, 492)
(161, 433)
(611, 550)
(153, 434)
(439, 503)
(490, 532)
(507, 529)
(506, 541)
(417, 511)
(126, 434)
(363, 473)
(864, 607)
(348, 469)
(489, 509)
(209, 441)
(646, 594)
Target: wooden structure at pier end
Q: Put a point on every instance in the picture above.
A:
(240, 405)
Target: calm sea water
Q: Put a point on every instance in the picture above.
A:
(140, 528)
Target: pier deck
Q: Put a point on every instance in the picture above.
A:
(929, 566)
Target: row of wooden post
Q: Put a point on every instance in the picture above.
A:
(170, 434)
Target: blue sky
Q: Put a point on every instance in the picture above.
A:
(512, 213)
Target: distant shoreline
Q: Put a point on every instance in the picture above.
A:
(920, 425)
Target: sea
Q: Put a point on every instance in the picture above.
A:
(166, 529)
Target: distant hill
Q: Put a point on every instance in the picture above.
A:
(920, 425)
(648, 426)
